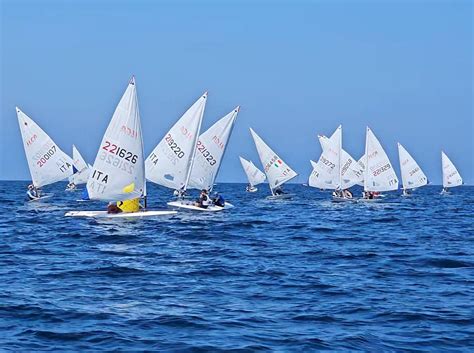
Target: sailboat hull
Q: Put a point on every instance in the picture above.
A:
(104, 214)
(190, 206)
(342, 199)
(280, 197)
(43, 197)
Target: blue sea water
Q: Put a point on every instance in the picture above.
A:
(299, 276)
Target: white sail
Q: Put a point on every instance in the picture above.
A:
(118, 171)
(350, 172)
(412, 175)
(451, 176)
(325, 174)
(379, 173)
(210, 149)
(360, 170)
(46, 161)
(254, 175)
(276, 170)
(170, 163)
(81, 169)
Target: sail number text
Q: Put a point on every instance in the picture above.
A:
(41, 160)
(121, 152)
(174, 146)
(205, 153)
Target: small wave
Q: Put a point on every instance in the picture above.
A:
(447, 263)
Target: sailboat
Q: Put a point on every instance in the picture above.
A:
(341, 170)
(254, 175)
(276, 170)
(412, 175)
(210, 149)
(451, 176)
(81, 170)
(325, 174)
(46, 161)
(118, 173)
(379, 174)
(171, 161)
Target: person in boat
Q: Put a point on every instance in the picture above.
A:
(278, 191)
(218, 200)
(112, 208)
(32, 192)
(204, 201)
(347, 194)
(71, 186)
(248, 188)
(181, 193)
(369, 195)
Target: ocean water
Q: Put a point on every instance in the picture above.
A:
(298, 276)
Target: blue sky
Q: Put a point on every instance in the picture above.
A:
(297, 68)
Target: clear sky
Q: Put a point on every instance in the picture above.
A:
(297, 68)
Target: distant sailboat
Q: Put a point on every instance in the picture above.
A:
(46, 161)
(118, 173)
(336, 169)
(254, 175)
(451, 176)
(276, 170)
(379, 174)
(325, 174)
(412, 175)
(80, 168)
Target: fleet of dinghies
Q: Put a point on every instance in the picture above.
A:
(187, 159)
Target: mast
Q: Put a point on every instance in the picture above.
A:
(193, 154)
(236, 110)
(340, 153)
(366, 171)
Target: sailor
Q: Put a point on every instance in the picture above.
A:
(248, 188)
(71, 186)
(32, 192)
(218, 200)
(278, 191)
(347, 194)
(113, 208)
(204, 200)
(180, 194)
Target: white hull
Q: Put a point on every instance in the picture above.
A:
(43, 197)
(342, 199)
(104, 214)
(280, 197)
(369, 200)
(252, 189)
(190, 205)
